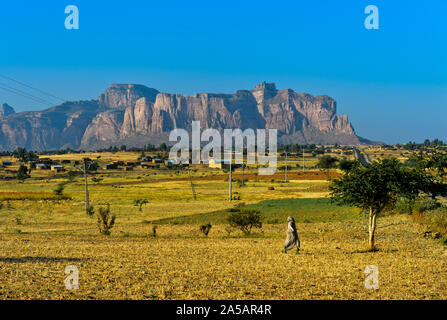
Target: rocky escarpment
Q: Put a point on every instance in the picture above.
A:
(55, 128)
(136, 115)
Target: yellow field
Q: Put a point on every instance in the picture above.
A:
(181, 264)
(41, 234)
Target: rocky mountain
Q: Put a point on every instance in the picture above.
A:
(6, 110)
(136, 115)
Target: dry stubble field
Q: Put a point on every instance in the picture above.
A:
(40, 238)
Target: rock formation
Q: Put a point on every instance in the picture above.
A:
(136, 115)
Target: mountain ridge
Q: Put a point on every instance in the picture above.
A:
(136, 115)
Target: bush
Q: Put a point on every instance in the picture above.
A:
(404, 205)
(205, 229)
(434, 220)
(439, 221)
(22, 174)
(426, 204)
(140, 203)
(90, 211)
(245, 220)
(59, 190)
(154, 231)
(105, 220)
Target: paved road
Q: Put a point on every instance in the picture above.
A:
(360, 156)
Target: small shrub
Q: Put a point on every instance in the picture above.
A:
(90, 211)
(154, 230)
(18, 221)
(229, 230)
(59, 190)
(426, 204)
(96, 180)
(105, 220)
(245, 220)
(439, 221)
(205, 229)
(271, 188)
(140, 203)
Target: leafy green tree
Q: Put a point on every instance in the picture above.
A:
(326, 163)
(21, 154)
(348, 165)
(163, 147)
(436, 162)
(377, 187)
(22, 173)
(25, 156)
(245, 220)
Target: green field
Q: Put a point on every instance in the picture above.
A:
(276, 211)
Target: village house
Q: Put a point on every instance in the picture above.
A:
(111, 166)
(144, 165)
(218, 163)
(41, 166)
(57, 168)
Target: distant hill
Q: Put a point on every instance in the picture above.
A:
(136, 115)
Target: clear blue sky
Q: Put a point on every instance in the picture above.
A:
(392, 82)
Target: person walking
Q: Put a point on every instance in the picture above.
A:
(292, 239)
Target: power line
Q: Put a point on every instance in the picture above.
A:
(26, 96)
(30, 87)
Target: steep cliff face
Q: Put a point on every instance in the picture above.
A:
(136, 115)
(58, 127)
(298, 117)
(125, 95)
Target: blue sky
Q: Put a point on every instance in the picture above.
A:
(391, 82)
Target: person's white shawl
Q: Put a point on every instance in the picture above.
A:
(292, 240)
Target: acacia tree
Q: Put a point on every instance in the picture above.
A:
(22, 173)
(378, 186)
(326, 163)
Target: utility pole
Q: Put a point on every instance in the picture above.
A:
(285, 172)
(87, 202)
(303, 157)
(192, 185)
(230, 196)
(243, 167)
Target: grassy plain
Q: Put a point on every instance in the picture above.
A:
(41, 234)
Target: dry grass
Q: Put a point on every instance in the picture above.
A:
(36, 196)
(40, 234)
(182, 264)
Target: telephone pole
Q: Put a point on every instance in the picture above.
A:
(303, 157)
(87, 202)
(230, 196)
(243, 167)
(192, 185)
(285, 172)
